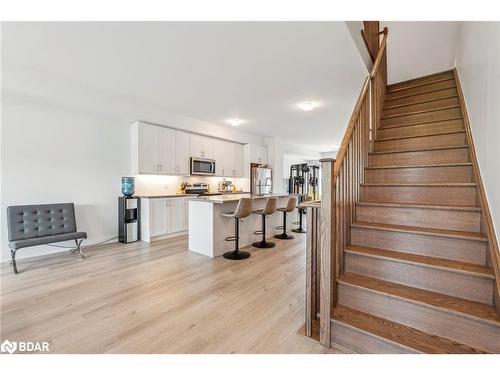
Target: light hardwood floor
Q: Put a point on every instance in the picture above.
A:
(160, 298)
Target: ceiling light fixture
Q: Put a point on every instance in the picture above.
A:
(308, 106)
(235, 121)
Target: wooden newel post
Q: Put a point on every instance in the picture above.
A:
(312, 271)
(327, 250)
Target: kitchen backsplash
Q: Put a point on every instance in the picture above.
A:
(158, 185)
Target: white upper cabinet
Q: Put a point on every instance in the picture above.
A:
(202, 147)
(237, 160)
(166, 150)
(159, 150)
(146, 135)
(182, 152)
(258, 154)
(228, 158)
(221, 157)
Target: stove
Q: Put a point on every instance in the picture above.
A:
(199, 188)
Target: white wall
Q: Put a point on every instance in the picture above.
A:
(355, 28)
(478, 65)
(51, 156)
(416, 49)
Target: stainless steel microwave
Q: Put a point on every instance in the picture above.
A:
(204, 167)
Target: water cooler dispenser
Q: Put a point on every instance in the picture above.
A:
(128, 213)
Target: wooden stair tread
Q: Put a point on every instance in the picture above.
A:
(417, 150)
(471, 309)
(392, 90)
(449, 184)
(419, 123)
(474, 236)
(398, 333)
(425, 206)
(422, 166)
(431, 78)
(416, 112)
(423, 260)
(423, 101)
(418, 90)
(418, 136)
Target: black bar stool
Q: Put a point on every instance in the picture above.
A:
(290, 207)
(302, 211)
(244, 209)
(269, 209)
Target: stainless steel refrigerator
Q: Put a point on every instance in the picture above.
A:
(262, 182)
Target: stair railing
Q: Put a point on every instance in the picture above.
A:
(340, 183)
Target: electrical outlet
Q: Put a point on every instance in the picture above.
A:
(165, 187)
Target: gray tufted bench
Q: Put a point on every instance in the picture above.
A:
(40, 224)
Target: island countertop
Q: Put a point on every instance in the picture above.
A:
(234, 197)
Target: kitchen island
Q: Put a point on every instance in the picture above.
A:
(208, 229)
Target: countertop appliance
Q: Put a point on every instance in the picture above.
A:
(225, 186)
(199, 188)
(262, 182)
(128, 219)
(203, 167)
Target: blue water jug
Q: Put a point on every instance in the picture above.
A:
(128, 186)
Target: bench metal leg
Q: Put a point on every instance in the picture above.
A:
(14, 265)
(79, 248)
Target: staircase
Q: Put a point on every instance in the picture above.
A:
(417, 275)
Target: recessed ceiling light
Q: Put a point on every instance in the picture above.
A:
(308, 106)
(235, 121)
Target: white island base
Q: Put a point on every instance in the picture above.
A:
(208, 229)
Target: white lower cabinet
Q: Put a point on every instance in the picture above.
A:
(157, 217)
(163, 216)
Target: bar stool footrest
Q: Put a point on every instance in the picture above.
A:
(230, 238)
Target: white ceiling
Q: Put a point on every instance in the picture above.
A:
(210, 71)
(419, 48)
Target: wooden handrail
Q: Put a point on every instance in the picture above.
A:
(380, 54)
(352, 121)
(350, 127)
